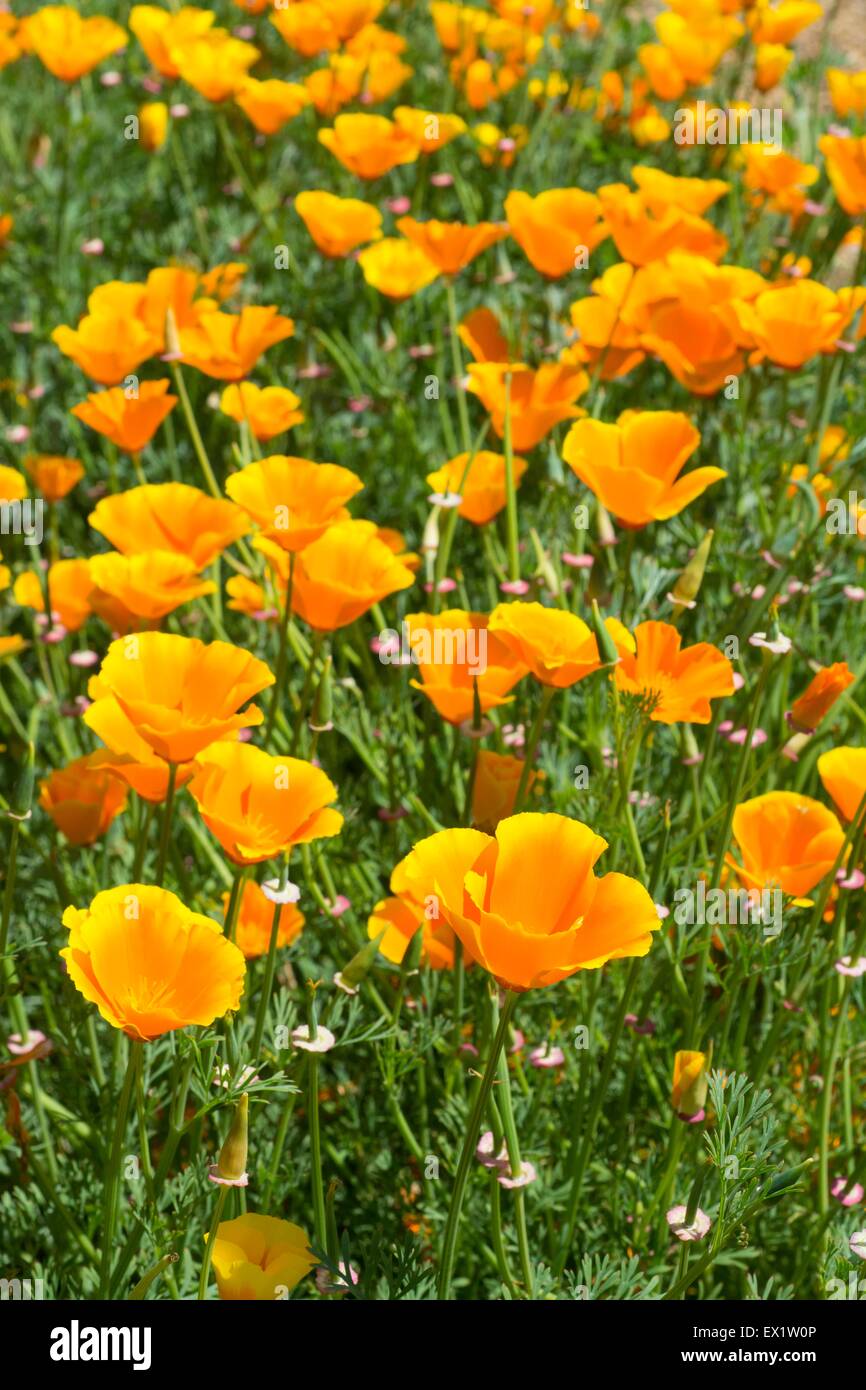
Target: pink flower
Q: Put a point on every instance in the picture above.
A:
(526, 1175)
(547, 1056)
(848, 1198)
(676, 1219)
(323, 1041)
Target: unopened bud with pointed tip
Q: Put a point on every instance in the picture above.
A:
(688, 585)
(320, 717)
(607, 652)
(232, 1165)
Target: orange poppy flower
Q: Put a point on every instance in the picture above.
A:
(689, 1089)
(293, 500)
(400, 919)
(368, 145)
(130, 422)
(131, 759)
(679, 681)
(558, 647)
(268, 410)
(479, 480)
(215, 63)
(169, 517)
(70, 589)
(772, 61)
(54, 476)
(228, 346)
(254, 920)
(786, 841)
(343, 573)
(846, 170)
(179, 693)
(644, 230)
(150, 584)
(111, 341)
(396, 268)
(689, 195)
(429, 130)
(494, 791)
(783, 22)
(779, 175)
(258, 1258)
(152, 125)
(633, 467)
(606, 341)
(271, 104)
(480, 334)
(13, 486)
(149, 964)
(847, 92)
(552, 227)
(791, 323)
(83, 798)
(333, 87)
(536, 400)
(159, 31)
(68, 45)
(258, 806)
(843, 773)
(695, 345)
(527, 905)
(454, 653)
(451, 246)
(338, 225)
(820, 695)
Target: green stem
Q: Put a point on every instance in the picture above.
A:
(165, 833)
(112, 1177)
(209, 1244)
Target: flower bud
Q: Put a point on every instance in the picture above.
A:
(688, 585)
(320, 717)
(608, 654)
(232, 1165)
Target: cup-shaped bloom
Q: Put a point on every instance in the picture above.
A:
(153, 125)
(343, 573)
(554, 226)
(695, 344)
(451, 246)
(215, 63)
(676, 682)
(338, 225)
(259, 1258)
(534, 400)
(13, 485)
(689, 1088)
(430, 130)
(83, 798)
(847, 92)
(633, 468)
(368, 145)
(228, 346)
(268, 410)
(169, 516)
(255, 918)
(396, 268)
(293, 500)
(645, 229)
(258, 805)
(786, 841)
(494, 791)
(68, 45)
(53, 476)
(129, 422)
(846, 170)
(479, 481)
(790, 324)
(557, 646)
(843, 773)
(820, 696)
(149, 964)
(180, 694)
(456, 654)
(149, 585)
(131, 759)
(159, 31)
(270, 104)
(70, 591)
(527, 905)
